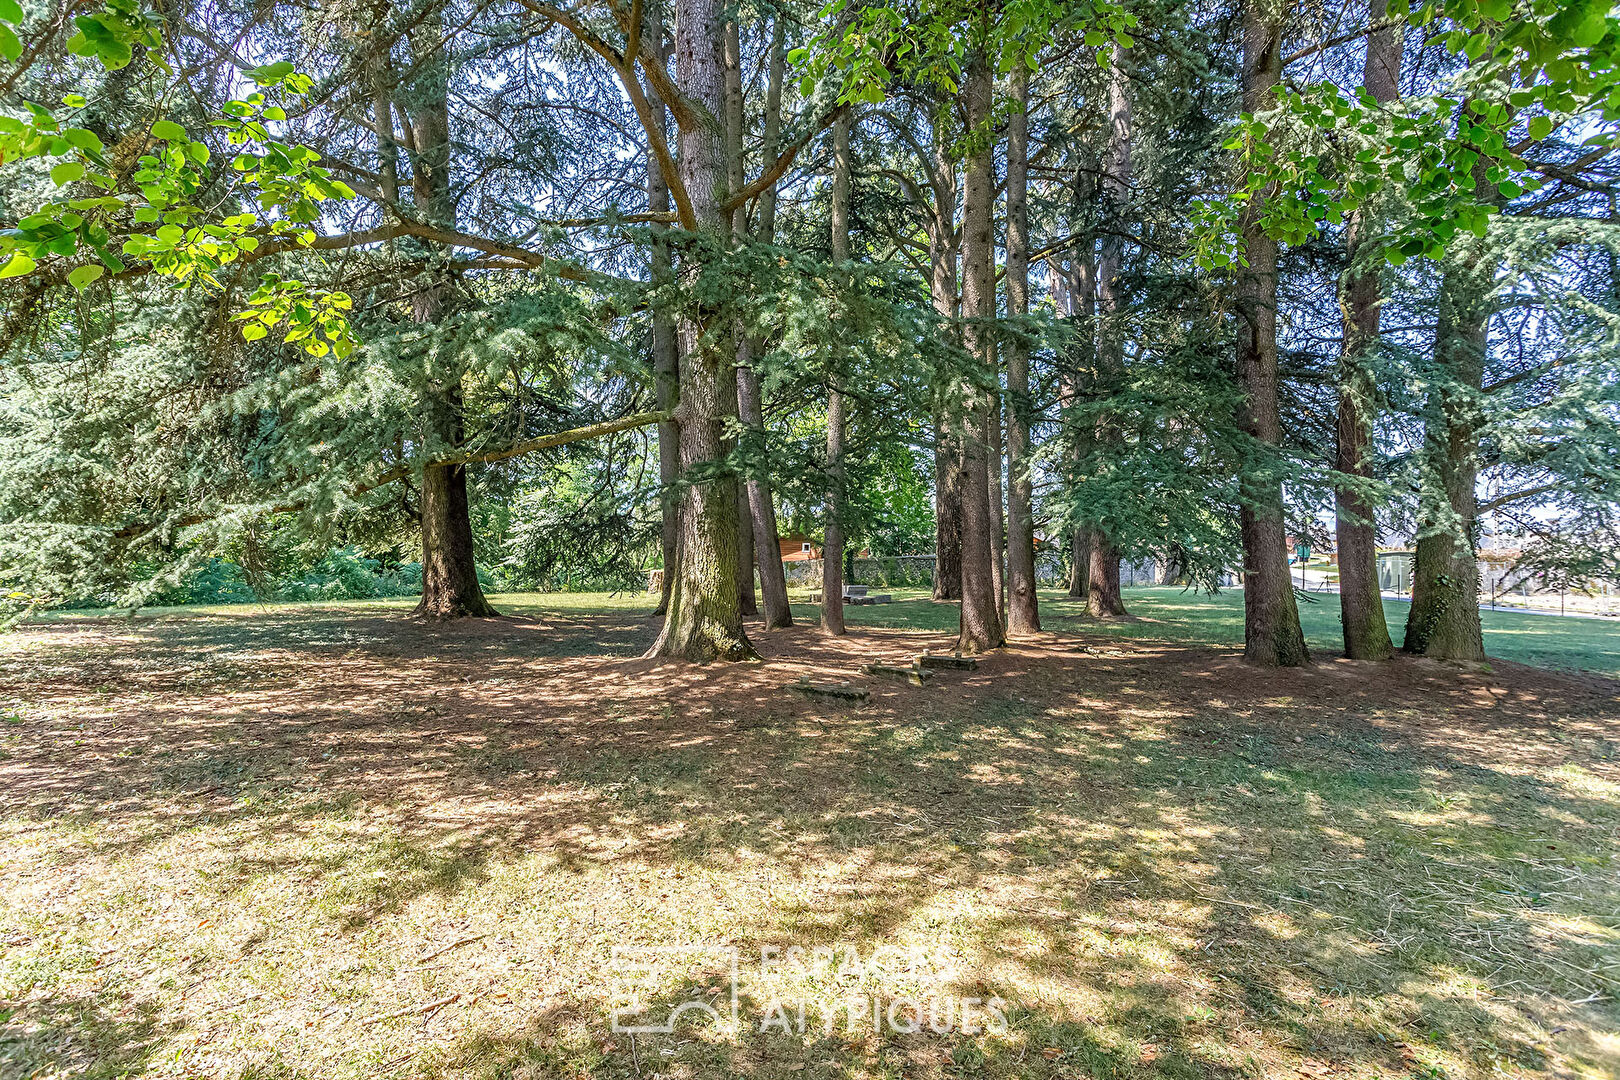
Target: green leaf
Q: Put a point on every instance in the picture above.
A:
(1540, 127)
(10, 47)
(1496, 10)
(74, 101)
(11, 11)
(168, 130)
(66, 173)
(84, 275)
(19, 265)
(254, 331)
(84, 139)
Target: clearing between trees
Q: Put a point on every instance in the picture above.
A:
(327, 842)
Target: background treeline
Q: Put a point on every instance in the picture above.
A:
(504, 292)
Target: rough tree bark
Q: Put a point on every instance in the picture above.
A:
(704, 620)
(980, 627)
(1023, 607)
(998, 516)
(1361, 603)
(1083, 298)
(832, 554)
(737, 226)
(1443, 621)
(450, 586)
(1103, 596)
(1272, 634)
(949, 479)
(665, 357)
(761, 505)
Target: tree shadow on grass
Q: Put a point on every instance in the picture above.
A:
(1166, 863)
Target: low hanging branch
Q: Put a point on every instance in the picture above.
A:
(544, 442)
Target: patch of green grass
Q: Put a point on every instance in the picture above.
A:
(1174, 614)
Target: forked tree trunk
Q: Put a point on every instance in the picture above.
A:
(1023, 607)
(761, 505)
(1443, 621)
(1103, 596)
(1272, 634)
(450, 586)
(980, 628)
(1361, 603)
(832, 555)
(704, 620)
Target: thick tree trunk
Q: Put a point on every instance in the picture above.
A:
(761, 505)
(1080, 565)
(450, 586)
(1272, 634)
(1361, 603)
(980, 628)
(705, 620)
(1103, 596)
(1102, 592)
(1443, 621)
(1023, 607)
(949, 479)
(832, 555)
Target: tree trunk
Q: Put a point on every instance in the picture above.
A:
(998, 516)
(450, 586)
(832, 555)
(665, 364)
(738, 228)
(1023, 607)
(1272, 634)
(1103, 597)
(1361, 603)
(948, 484)
(761, 505)
(1102, 592)
(1443, 621)
(949, 480)
(705, 620)
(1083, 301)
(1080, 566)
(980, 628)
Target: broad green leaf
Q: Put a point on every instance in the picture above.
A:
(1540, 127)
(19, 265)
(10, 46)
(82, 276)
(66, 173)
(168, 130)
(11, 11)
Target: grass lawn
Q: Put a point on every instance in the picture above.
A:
(326, 841)
(1173, 614)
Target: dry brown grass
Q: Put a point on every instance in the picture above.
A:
(239, 846)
